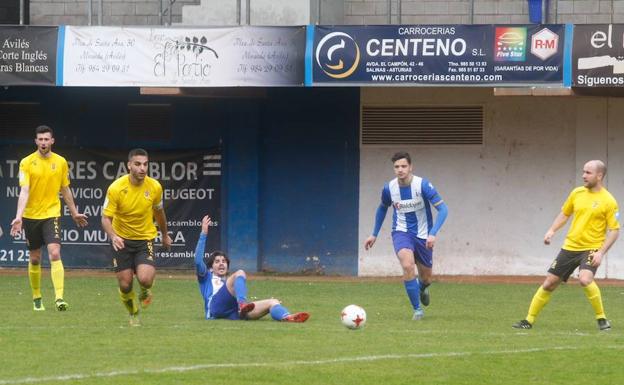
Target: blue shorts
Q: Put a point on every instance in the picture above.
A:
(403, 240)
(224, 305)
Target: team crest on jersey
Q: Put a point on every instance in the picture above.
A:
(595, 204)
(146, 194)
(53, 166)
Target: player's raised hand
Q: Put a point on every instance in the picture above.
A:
(80, 219)
(370, 241)
(206, 222)
(16, 227)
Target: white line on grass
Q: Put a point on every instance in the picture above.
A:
(181, 369)
(338, 330)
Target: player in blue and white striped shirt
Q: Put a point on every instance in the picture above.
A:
(225, 295)
(413, 229)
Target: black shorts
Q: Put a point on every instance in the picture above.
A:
(41, 232)
(567, 261)
(134, 253)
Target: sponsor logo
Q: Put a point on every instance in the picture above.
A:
(544, 43)
(190, 57)
(338, 55)
(150, 251)
(408, 205)
(510, 44)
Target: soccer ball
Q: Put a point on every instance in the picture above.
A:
(353, 317)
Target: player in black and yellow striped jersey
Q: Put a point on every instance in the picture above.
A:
(132, 203)
(42, 175)
(593, 231)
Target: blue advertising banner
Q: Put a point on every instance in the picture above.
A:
(438, 55)
(191, 183)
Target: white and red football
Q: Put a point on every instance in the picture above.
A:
(353, 317)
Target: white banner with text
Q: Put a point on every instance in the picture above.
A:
(183, 57)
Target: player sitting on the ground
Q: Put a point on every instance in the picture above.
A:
(226, 296)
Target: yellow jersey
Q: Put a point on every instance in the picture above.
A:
(594, 213)
(132, 207)
(44, 177)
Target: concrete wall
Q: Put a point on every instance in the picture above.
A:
(480, 11)
(504, 195)
(298, 12)
(185, 12)
(264, 12)
(9, 12)
(115, 12)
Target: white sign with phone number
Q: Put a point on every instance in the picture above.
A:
(210, 57)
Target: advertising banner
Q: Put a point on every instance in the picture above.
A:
(180, 57)
(438, 54)
(28, 55)
(191, 183)
(598, 55)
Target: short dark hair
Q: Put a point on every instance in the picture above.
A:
(43, 129)
(401, 155)
(212, 256)
(136, 152)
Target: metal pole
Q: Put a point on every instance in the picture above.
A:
(238, 12)
(100, 11)
(248, 12)
(171, 12)
(90, 12)
(399, 10)
(21, 11)
(389, 11)
(318, 11)
(472, 7)
(611, 10)
(160, 13)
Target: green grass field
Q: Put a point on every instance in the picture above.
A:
(465, 338)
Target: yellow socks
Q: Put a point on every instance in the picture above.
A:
(592, 291)
(540, 299)
(129, 301)
(34, 276)
(58, 277)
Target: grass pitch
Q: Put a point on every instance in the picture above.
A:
(465, 338)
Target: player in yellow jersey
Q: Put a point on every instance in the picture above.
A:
(132, 203)
(42, 175)
(593, 231)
